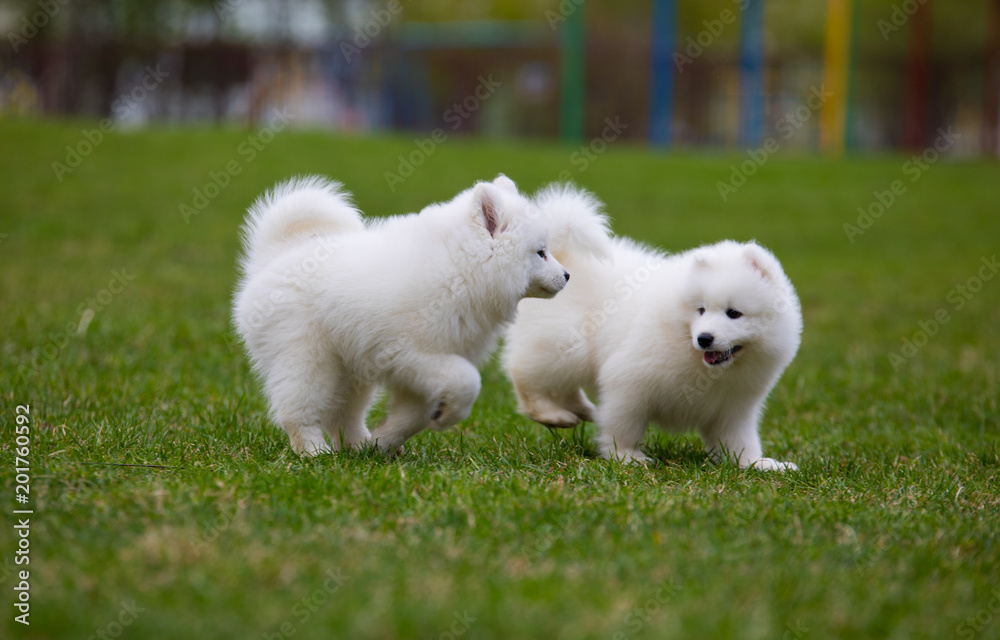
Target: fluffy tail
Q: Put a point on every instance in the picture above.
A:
(577, 223)
(296, 209)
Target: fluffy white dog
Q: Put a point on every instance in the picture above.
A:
(694, 340)
(331, 307)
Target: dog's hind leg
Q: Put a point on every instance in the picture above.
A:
(579, 404)
(345, 424)
(622, 430)
(298, 403)
(312, 396)
(561, 411)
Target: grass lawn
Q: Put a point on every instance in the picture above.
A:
(165, 503)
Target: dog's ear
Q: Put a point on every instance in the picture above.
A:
(761, 260)
(505, 183)
(700, 258)
(488, 207)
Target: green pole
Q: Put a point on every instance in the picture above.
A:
(571, 95)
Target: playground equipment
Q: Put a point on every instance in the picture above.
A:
(837, 117)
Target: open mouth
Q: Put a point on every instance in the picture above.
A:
(720, 357)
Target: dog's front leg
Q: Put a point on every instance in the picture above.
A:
(622, 431)
(736, 439)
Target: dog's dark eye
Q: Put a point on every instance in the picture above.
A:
(701, 311)
(733, 314)
(541, 254)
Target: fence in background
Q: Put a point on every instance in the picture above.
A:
(558, 78)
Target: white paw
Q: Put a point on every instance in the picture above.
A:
(309, 442)
(311, 449)
(627, 456)
(770, 464)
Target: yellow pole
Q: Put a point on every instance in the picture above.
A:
(833, 118)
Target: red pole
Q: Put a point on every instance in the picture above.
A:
(991, 102)
(917, 78)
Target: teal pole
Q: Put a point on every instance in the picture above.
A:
(661, 66)
(572, 93)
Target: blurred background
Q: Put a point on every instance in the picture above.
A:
(835, 76)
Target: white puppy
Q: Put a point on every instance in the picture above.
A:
(330, 307)
(695, 340)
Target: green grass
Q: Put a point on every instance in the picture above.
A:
(888, 531)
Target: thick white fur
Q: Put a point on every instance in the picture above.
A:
(627, 326)
(331, 307)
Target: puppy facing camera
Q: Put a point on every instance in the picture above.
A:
(693, 340)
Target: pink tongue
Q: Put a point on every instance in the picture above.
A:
(711, 357)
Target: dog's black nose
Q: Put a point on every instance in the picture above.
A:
(566, 273)
(705, 340)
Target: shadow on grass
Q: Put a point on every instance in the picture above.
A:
(676, 451)
(666, 450)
